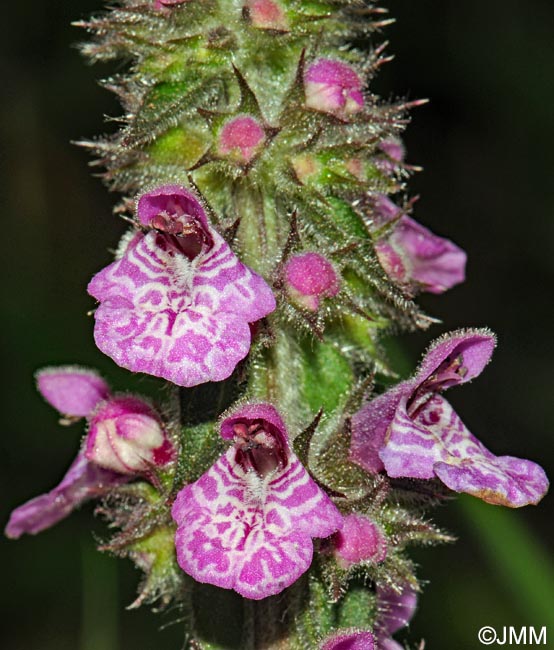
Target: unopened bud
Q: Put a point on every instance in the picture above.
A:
(309, 278)
(267, 14)
(241, 138)
(333, 87)
(126, 435)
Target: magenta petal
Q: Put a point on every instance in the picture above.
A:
(171, 199)
(333, 87)
(369, 427)
(473, 346)
(501, 480)
(412, 255)
(240, 531)
(83, 481)
(258, 411)
(411, 448)
(184, 320)
(436, 264)
(436, 442)
(350, 640)
(395, 609)
(73, 391)
(359, 540)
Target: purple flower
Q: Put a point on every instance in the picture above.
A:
(395, 611)
(333, 87)
(310, 277)
(359, 540)
(412, 255)
(178, 302)
(350, 639)
(125, 438)
(247, 523)
(412, 431)
(74, 392)
(241, 138)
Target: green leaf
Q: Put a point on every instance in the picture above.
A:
(326, 375)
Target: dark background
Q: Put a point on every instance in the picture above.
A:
(486, 143)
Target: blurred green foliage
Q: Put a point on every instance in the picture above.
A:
(486, 142)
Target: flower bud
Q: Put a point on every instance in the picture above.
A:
(126, 435)
(333, 87)
(266, 14)
(359, 540)
(241, 138)
(310, 277)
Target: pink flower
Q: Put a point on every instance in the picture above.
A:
(178, 303)
(395, 611)
(350, 639)
(125, 438)
(412, 431)
(266, 14)
(359, 540)
(333, 87)
(241, 138)
(310, 277)
(413, 256)
(247, 523)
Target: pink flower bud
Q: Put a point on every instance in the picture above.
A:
(126, 435)
(266, 14)
(333, 87)
(359, 540)
(240, 138)
(310, 277)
